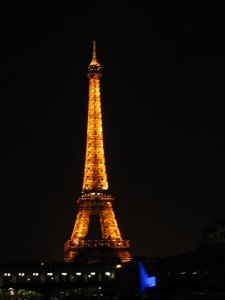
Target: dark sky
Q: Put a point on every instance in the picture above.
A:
(162, 95)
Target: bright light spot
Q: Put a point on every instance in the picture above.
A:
(151, 281)
(107, 273)
(194, 273)
(145, 280)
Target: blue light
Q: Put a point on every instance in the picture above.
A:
(145, 280)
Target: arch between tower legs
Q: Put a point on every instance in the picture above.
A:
(111, 247)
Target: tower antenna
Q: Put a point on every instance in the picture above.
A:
(94, 57)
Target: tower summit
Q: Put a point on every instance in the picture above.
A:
(95, 198)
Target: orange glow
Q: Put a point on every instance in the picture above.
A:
(95, 198)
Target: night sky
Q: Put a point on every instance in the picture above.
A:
(162, 92)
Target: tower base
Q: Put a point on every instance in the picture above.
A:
(93, 253)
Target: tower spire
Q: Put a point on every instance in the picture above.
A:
(94, 65)
(94, 51)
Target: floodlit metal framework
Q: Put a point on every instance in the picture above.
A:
(95, 198)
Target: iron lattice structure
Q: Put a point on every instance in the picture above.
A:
(95, 198)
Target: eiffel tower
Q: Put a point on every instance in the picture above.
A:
(95, 198)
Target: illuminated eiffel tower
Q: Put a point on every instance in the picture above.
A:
(95, 198)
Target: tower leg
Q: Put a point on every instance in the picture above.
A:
(81, 225)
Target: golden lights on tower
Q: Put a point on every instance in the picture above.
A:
(95, 199)
(95, 176)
